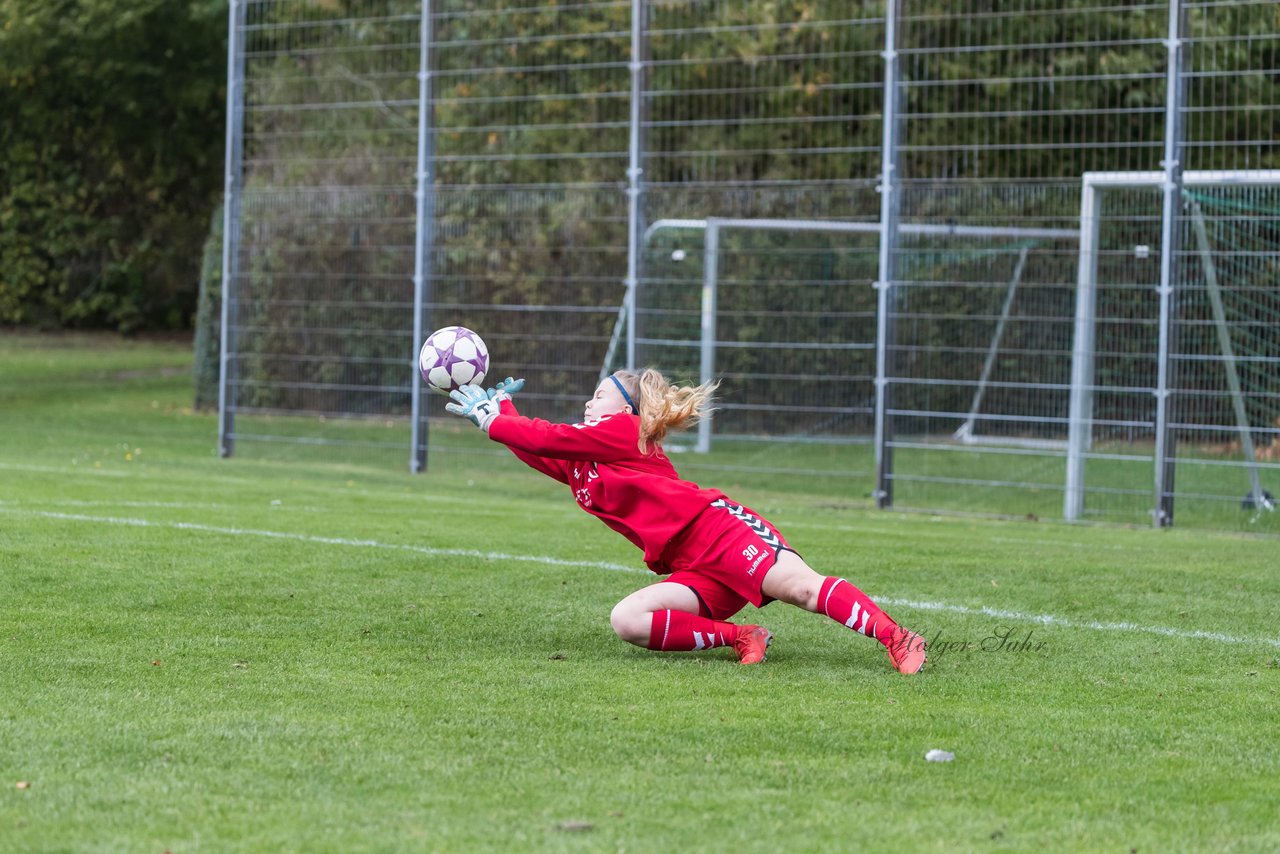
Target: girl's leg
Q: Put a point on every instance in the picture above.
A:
(665, 616)
(632, 618)
(793, 581)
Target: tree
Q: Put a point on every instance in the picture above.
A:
(110, 154)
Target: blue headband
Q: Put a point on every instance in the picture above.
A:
(625, 396)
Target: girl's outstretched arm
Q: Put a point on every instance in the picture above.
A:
(558, 469)
(612, 438)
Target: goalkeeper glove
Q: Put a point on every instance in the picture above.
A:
(471, 402)
(503, 390)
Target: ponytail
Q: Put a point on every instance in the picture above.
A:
(663, 407)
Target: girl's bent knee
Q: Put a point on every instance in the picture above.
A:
(630, 625)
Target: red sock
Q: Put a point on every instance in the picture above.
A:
(678, 631)
(846, 604)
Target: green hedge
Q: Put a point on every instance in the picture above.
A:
(111, 148)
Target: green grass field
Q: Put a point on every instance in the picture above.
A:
(292, 650)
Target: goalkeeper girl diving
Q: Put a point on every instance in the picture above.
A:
(717, 555)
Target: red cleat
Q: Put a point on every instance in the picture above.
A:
(906, 651)
(752, 643)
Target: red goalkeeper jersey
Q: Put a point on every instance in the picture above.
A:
(638, 495)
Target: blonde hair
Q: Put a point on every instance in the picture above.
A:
(663, 407)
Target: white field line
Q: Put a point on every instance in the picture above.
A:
(328, 541)
(570, 510)
(64, 470)
(557, 511)
(275, 506)
(171, 505)
(998, 613)
(409, 498)
(1063, 622)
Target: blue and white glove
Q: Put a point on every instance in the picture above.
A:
(503, 390)
(473, 402)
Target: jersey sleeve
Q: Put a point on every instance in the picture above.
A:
(557, 469)
(608, 440)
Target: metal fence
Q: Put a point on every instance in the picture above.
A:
(872, 221)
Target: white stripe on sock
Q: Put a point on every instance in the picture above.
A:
(853, 616)
(830, 590)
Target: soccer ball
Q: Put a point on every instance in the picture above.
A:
(452, 357)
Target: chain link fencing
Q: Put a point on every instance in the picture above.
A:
(597, 184)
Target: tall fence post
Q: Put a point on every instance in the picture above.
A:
(233, 171)
(707, 350)
(635, 169)
(887, 267)
(424, 194)
(1170, 231)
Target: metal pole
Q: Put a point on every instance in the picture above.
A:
(424, 194)
(231, 222)
(619, 322)
(888, 244)
(1228, 355)
(965, 432)
(707, 365)
(1165, 467)
(1080, 419)
(634, 172)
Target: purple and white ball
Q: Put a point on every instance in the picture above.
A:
(452, 357)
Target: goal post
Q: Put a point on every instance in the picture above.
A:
(1198, 258)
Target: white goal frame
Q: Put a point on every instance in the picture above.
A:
(1079, 439)
(712, 226)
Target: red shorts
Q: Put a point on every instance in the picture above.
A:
(723, 556)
